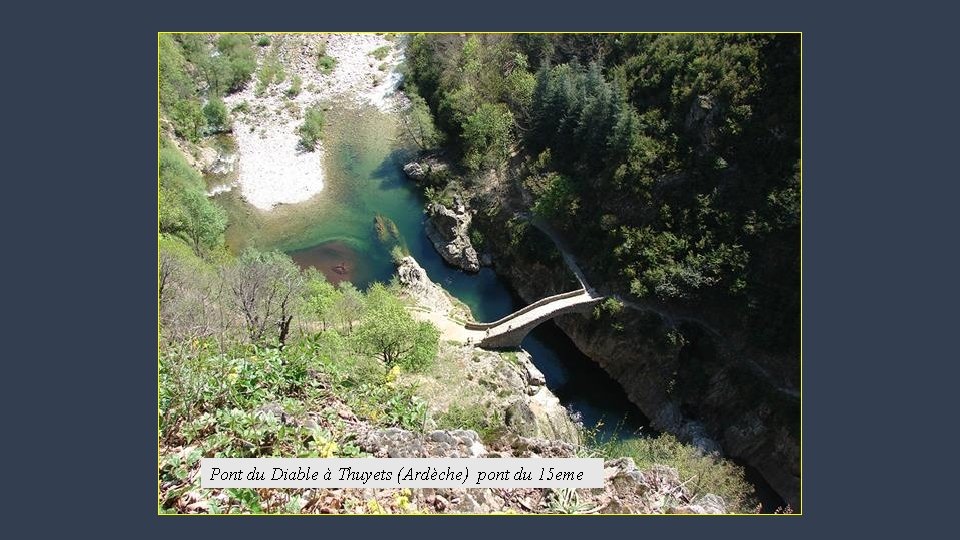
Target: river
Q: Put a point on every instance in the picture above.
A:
(335, 233)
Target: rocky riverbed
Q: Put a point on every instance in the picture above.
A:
(273, 169)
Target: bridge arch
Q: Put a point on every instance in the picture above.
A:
(509, 331)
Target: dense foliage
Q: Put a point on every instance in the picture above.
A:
(195, 71)
(672, 162)
(185, 210)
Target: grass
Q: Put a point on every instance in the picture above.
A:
(489, 425)
(511, 356)
(295, 84)
(271, 71)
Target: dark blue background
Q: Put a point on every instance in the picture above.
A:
(79, 187)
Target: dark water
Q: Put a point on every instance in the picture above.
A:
(335, 233)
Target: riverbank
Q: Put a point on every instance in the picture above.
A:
(273, 168)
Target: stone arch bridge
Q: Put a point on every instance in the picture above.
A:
(509, 331)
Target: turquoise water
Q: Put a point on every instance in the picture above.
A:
(335, 233)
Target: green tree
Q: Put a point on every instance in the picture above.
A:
(418, 124)
(203, 221)
(321, 297)
(188, 119)
(389, 332)
(236, 63)
(217, 117)
(488, 136)
(349, 306)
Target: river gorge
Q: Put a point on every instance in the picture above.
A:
(336, 232)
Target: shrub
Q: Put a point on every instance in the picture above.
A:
(312, 129)
(188, 119)
(215, 112)
(271, 71)
(264, 41)
(294, 89)
(232, 69)
(388, 331)
(326, 64)
(380, 52)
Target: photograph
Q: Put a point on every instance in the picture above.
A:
(482, 245)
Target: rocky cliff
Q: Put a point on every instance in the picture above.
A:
(686, 377)
(449, 230)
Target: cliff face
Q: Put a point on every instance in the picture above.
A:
(688, 379)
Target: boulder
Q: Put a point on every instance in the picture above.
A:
(414, 171)
(425, 168)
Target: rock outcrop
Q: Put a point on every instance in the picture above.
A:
(426, 168)
(688, 379)
(448, 229)
(541, 415)
(429, 296)
(626, 489)
(415, 171)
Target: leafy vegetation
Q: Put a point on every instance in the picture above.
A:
(702, 473)
(380, 52)
(311, 131)
(193, 69)
(185, 210)
(670, 161)
(295, 83)
(488, 424)
(235, 371)
(216, 116)
(325, 63)
(271, 72)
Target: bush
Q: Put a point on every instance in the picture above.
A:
(312, 129)
(218, 120)
(294, 89)
(271, 71)
(264, 41)
(235, 65)
(380, 52)
(388, 331)
(188, 119)
(326, 64)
